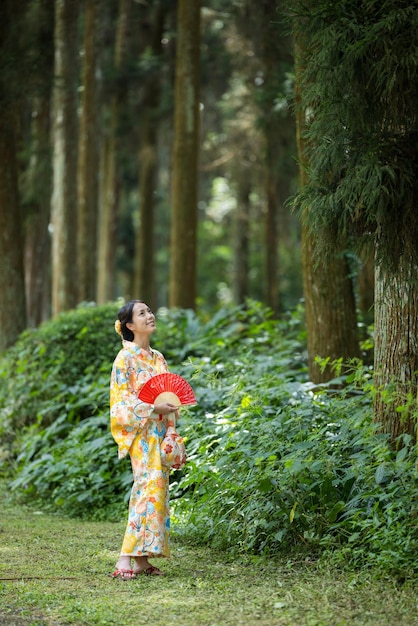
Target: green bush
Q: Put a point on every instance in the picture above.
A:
(275, 463)
(285, 464)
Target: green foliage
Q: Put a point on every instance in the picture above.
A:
(285, 464)
(359, 85)
(275, 463)
(57, 369)
(74, 468)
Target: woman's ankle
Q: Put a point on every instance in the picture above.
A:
(141, 563)
(124, 562)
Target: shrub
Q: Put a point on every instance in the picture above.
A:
(285, 464)
(275, 463)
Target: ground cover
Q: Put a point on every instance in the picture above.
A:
(55, 571)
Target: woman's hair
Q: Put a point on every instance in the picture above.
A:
(125, 317)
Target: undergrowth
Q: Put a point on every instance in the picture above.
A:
(275, 463)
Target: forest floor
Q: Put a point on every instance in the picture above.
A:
(55, 571)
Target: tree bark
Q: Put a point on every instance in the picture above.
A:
(271, 239)
(87, 163)
(12, 287)
(37, 237)
(330, 311)
(64, 195)
(39, 177)
(241, 239)
(110, 184)
(144, 273)
(185, 158)
(396, 350)
(366, 287)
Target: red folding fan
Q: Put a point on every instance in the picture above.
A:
(167, 387)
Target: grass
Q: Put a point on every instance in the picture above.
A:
(54, 571)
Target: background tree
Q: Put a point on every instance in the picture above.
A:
(12, 309)
(88, 160)
(264, 26)
(35, 183)
(109, 161)
(231, 262)
(330, 309)
(149, 111)
(185, 157)
(359, 76)
(65, 134)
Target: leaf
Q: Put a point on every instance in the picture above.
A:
(336, 509)
(292, 513)
(401, 455)
(265, 485)
(279, 605)
(381, 475)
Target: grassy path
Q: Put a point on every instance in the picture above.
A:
(55, 571)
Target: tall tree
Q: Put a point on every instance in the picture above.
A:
(366, 285)
(36, 183)
(263, 24)
(109, 164)
(87, 161)
(12, 289)
(241, 236)
(361, 78)
(64, 195)
(185, 157)
(144, 271)
(330, 310)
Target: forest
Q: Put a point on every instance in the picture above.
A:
(248, 169)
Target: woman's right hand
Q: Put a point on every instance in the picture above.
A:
(165, 408)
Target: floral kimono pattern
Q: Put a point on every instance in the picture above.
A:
(139, 431)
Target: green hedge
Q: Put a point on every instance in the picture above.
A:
(274, 462)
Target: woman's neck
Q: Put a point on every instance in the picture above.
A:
(143, 343)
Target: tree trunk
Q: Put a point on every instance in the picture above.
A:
(185, 157)
(330, 310)
(279, 130)
(39, 178)
(241, 239)
(271, 240)
(64, 195)
(144, 242)
(110, 184)
(144, 272)
(37, 237)
(12, 287)
(87, 163)
(366, 287)
(396, 350)
(273, 48)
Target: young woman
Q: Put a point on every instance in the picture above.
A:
(138, 428)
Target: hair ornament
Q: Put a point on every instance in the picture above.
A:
(118, 327)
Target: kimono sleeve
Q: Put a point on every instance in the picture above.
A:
(127, 414)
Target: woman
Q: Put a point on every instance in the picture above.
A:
(138, 428)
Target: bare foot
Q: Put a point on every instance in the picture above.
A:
(149, 571)
(143, 566)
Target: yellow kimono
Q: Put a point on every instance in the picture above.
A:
(139, 431)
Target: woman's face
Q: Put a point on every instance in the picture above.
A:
(143, 319)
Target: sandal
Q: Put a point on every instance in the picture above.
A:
(150, 571)
(124, 574)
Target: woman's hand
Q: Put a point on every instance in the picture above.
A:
(164, 408)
